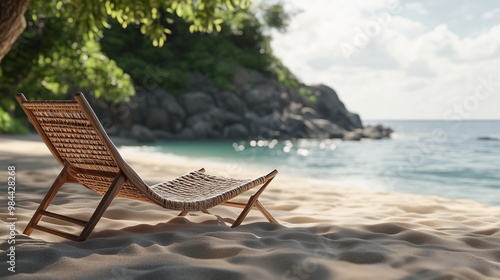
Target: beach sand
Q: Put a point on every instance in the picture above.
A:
(325, 231)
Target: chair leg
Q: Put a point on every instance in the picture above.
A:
(103, 205)
(264, 212)
(56, 186)
(252, 201)
(183, 213)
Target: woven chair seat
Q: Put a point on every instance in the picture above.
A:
(199, 191)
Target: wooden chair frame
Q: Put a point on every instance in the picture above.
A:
(123, 176)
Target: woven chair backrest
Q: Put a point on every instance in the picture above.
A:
(76, 138)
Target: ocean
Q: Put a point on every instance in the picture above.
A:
(443, 158)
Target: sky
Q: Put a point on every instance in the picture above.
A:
(399, 59)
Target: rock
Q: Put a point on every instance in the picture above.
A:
(221, 118)
(169, 102)
(322, 128)
(355, 120)
(309, 113)
(256, 106)
(244, 79)
(231, 102)
(328, 103)
(266, 127)
(124, 134)
(176, 126)
(138, 114)
(352, 136)
(294, 108)
(386, 132)
(372, 132)
(263, 99)
(202, 129)
(330, 107)
(487, 138)
(376, 132)
(142, 133)
(236, 131)
(160, 134)
(158, 118)
(196, 102)
(186, 134)
(216, 116)
(294, 126)
(199, 82)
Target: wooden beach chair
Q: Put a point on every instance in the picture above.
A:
(76, 138)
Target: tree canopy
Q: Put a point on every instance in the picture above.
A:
(89, 17)
(77, 45)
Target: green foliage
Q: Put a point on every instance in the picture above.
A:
(60, 50)
(90, 17)
(241, 42)
(304, 91)
(83, 67)
(51, 59)
(275, 16)
(10, 125)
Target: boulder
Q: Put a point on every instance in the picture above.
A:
(169, 103)
(352, 136)
(202, 129)
(231, 102)
(176, 126)
(263, 99)
(327, 101)
(216, 116)
(244, 79)
(372, 132)
(487, 138)
(196, 102)
(186, 134)
(160, 134)
(266, 127)
(294, 126)
(199, 82)
(256, 106)
(355, 120)
(309, 113)
(158, 118)
(142, 133)
(376, 132)
(329, 106)
(237, 132)
(324, 129)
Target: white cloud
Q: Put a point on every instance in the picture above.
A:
(420, 68)
(417, 66)
(407, 26)
(482, 47)
(416, 7)
(492, 14)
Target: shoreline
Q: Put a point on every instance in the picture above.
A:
(326, 231)
(367, 181)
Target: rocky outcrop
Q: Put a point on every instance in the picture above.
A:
(258, 108)
(370, 132)
(487, 138)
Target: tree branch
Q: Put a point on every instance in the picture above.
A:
(12, 23)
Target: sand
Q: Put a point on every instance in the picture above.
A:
(325, 231)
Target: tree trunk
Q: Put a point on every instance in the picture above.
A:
(12, 23)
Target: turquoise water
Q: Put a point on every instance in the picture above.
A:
(442, 158)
